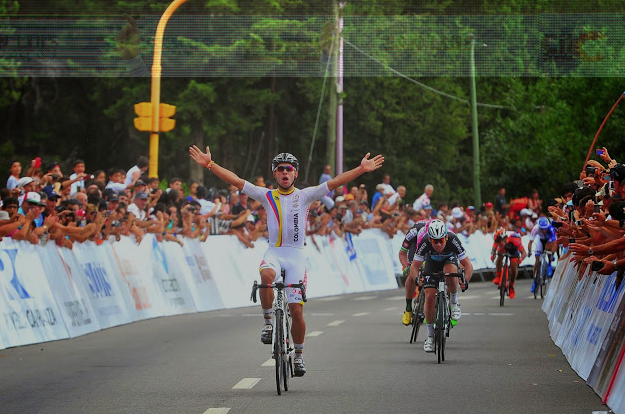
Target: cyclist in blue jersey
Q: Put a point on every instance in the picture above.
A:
(287, 209)
(444, 252)
(544, 239)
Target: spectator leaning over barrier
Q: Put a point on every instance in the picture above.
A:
(423, 199)
(137, 170)
(286, 237)
(10, 220)
(379, 191)
(139, 205)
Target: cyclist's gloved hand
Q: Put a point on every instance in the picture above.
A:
(406, 271)
(492, 257)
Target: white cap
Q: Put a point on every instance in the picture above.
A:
(456, 212)
(24, 180)
(526, 212)
(33, 198)
(251, 218)
(339, 199)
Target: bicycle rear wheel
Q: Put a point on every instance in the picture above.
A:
(440, 326)
(277, 349)
(417, 315)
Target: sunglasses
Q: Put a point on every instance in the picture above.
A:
(438, 241)
(283, 168)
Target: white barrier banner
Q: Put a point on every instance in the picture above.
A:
(233, 290)
(28, 310)
(136, 273)
(323, 279)
(73, 302)
(603, 302)
(204, 289)
(168, 265)
(372, 250)
(341, 255)
(103, 284)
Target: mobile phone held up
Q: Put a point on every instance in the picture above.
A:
(596, 265)
(600, 152)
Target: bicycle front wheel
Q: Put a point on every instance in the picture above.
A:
(277, 349)
(503, 281)
(417, 315)
(287, 368)
(440, 326)
(537, 279)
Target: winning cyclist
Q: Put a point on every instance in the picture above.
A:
(511, 244)
(406, 254)
(544, 238)
(288, 210)
(442, 250)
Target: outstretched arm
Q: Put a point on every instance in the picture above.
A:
(366, 165)
(221, 172)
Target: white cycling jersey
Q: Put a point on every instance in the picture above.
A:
(287, 213)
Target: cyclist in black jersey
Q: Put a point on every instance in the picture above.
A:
(406, 254)
(442, 250)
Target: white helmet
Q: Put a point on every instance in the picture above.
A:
(437, 229)
(284, 158)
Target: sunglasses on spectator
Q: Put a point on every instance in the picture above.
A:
(438, 241)
(282, 168)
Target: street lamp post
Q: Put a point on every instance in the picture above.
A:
(476, 140)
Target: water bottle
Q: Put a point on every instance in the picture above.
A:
(549, 270)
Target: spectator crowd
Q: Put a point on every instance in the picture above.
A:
(46, 205)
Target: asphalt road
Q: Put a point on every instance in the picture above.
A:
(498, 360)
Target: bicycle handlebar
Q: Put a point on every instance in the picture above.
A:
(447, 274)
(279, 286)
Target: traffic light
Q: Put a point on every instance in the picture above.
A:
(144, 122)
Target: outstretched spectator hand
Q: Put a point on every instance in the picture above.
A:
(128, 39)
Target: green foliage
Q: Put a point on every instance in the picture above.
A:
(539, 141)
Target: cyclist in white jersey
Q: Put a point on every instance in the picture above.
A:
(287, 209)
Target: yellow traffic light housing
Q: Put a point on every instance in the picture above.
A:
(144, 122)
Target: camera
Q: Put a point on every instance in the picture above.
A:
(116, 223)
(590, 170)
(597, 208)
(579, 223)
(556, 224)
(571, 239)
(599, 152)
(192, 208)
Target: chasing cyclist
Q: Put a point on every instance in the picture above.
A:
(511, 244)
(287, 207)
(544, 236)
(442, 250)
(406, 254)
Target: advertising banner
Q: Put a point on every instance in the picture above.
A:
(74, 305)
(204, 289)
(28, 310)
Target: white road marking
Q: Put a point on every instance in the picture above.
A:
(246, 383)
(463, 297)
(328, 299)
(394, 308)
(501, 314)
(269, 363)
(252, 314)
(398, 298)
(365, 298)
(320, 314)
(479, 314)
(361, 314)
(221, 410)
(314, 333)
(335, 323)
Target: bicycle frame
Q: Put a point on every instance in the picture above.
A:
(503, 280)
(281, 344)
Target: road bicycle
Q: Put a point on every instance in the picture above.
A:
(418, 316)
(541, 276)
(282, 343)
(443, 324)
(503, 279)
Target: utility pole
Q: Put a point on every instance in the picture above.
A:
(477, 193)
(333, 98)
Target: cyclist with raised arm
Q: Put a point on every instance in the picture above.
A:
(508, 243)
(286, 222)
(406, 254)
(443, 251)
(544, 239)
